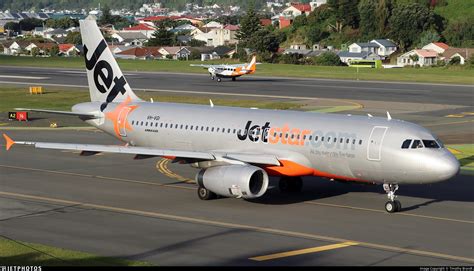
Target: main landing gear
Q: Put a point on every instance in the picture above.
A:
(219, 79)
(392, 205)
(290, 184)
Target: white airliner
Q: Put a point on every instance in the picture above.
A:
(237, 149)
(230, 71)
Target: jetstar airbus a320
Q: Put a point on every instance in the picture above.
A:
(237, 149)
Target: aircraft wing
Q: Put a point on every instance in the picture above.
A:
(201, 65)
(85, 115)
(91, 149)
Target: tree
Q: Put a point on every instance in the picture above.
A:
(264, 41)
(428, 37)
(408, 22)
(195, 54)
(314, 34)
(29, 24)
(63, 23)
(328, 59)
(54, 51)
(73, 38)
(12, 26)
(460, 33)
(249, 25)
(455, 61)
(196, 43)
(367, 25)
(383, 10)
(35, 51)
(162, 37)
(345, 13)
(299, 21)
(414, 58)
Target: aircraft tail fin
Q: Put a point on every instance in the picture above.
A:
(106, 81)
(252, 66)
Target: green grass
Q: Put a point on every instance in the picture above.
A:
(60, 99)
(465, 154)
(454, 75)
(14, 253)
(456, 10)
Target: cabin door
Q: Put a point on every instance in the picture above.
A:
(374, 148)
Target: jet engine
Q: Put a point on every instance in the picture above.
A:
(234, 180)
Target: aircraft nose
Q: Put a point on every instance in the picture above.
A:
(445, 167)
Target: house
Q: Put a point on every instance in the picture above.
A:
(439, 47)
(296, 9)
(213, 24)
(463, 54)
(15, 47)
(218, 52)
(174, 52)
(183, 28)
(218, 36)
(68, 49)
(265, 22)
(119, 48)
(284, 22)
(55, 33)
(346, 56)
(143, 28)
(381, 47)
(44, 48)
(422, 57)
(130, 38)
(140, 53)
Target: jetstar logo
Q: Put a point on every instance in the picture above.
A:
(287, 135)
(104, 75)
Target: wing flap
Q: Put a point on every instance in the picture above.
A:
(263, 159)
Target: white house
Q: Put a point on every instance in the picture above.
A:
(439, 47)
(463, 54)
(130, 38)
(218, 36)
(296, 9)
(381, 47)
(422, 57)
(213, 24)
(145, 29)
(175, 52)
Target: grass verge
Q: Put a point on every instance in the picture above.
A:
(465, 154)
(13, 253)
(61, 99)
(452, 75)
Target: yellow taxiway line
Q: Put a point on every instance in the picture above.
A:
(241, 227)
(302, 251)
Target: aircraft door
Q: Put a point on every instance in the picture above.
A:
(374, 147)
(122, 121)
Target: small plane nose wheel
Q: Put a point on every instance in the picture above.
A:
(219, 79)
(212, 76)
(392, 205)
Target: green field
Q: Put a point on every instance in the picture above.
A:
(60, 99)
(453, 75)
(465, 154)
(13, 253)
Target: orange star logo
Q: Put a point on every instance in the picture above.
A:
(119, 117)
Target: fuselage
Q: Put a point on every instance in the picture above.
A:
(336, 146)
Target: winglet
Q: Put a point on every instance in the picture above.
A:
(9, 141)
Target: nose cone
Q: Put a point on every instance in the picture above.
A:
(443, 167)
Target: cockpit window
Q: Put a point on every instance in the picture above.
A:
(416, 144)
(406, 144)
(430, 144)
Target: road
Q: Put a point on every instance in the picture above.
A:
(254, 85)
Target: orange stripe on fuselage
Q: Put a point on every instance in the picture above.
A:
(290, 168)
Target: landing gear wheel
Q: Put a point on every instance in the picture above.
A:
(290, 184)
(398, 206)
(205, 194)
(233, 78)
(390, 207)
(212, 77)
(218, 79)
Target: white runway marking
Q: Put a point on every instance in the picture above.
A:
(23, 77)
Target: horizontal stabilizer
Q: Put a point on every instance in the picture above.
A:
(83, 115)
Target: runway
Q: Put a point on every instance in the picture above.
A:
(255, 85)
(148, 210)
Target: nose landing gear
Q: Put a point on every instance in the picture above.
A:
(392, 205)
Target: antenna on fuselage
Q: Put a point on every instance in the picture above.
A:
(369, 115)
(388, 116)
(211, 103)
(151, 100)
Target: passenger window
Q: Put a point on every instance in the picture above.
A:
(416, 144)
(335, 140)
(322, 138)
(329, 139)
(347, 141)
(141, 124)
(341, 140)
(181, 127)
(360, 142)
(310, 137)
(316, 138)
(353, 141)
(217, 130)
(133, 122)
(176, 126)
(406, 144)
(146, 123)
(430, 144)
(161, 124)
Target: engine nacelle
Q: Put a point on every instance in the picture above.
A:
(234, 180)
